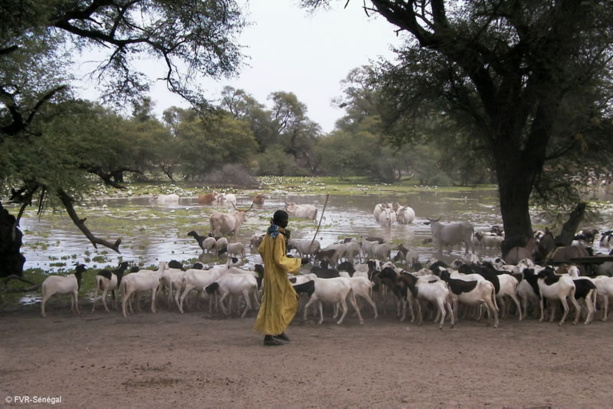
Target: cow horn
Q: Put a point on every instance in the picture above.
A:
(242, 210)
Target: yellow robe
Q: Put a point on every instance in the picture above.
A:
(279, 301)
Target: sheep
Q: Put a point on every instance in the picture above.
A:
(488, 241)
(585, 289)
(557, 287)
(352, 250)
(472, 292)
(330, 255)
(245, 283)
(220, 246)
(407, 256)
(304, 248)
(606, 239)
(362, 287)
(255, 241)
(172, 278)
(69, 284)
(334, 290)
(324, 270)
(108, 281)
(206, 243)
(144, 280)
(375, 250)
(604, 290)
(200, 279)
(508, 288)
(233, 250)
(425, 288)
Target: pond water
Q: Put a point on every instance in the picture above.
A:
(156, 232)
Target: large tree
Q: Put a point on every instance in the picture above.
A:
(529, 78)
(192, 39)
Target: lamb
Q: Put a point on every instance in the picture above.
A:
(108, 281)
(69, 284)
(144, 280)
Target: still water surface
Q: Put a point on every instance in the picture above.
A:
(156, 232)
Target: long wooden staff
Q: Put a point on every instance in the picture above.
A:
(320, 219)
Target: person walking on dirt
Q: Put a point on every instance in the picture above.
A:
(279, 300)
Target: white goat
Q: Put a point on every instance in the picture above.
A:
(143, 280)
(69, 284)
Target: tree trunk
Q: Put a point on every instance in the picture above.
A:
(571, 226)
(11, 259)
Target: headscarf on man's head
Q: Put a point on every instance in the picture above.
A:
(279, 219)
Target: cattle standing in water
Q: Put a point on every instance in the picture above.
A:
(304, 211)
(227, 223)
(451, 234)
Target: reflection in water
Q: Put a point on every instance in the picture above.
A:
(153, 233)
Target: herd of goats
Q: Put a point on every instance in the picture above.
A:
(363, 270)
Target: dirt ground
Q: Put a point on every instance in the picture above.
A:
(197, 360)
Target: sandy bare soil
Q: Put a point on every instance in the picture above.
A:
(197, 360)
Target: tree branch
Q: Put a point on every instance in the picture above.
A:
(80, 223)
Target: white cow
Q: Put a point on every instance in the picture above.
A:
(303, 211)
(227, 223)
(451, 234)
(405, 215)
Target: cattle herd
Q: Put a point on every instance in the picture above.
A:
(365, 272)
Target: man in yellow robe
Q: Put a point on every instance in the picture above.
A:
(279, 300)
